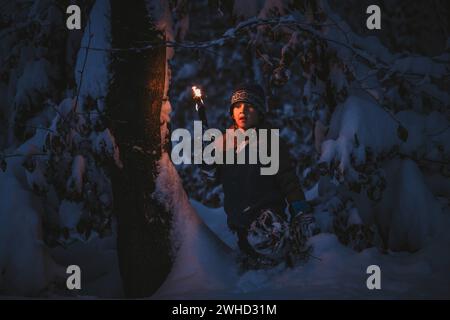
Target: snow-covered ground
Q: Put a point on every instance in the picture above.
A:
(337, 272)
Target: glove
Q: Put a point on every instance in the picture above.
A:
(304, 221)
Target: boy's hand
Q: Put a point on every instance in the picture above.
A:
(307, 224)
(304, 219)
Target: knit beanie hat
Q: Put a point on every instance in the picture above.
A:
(250, 93)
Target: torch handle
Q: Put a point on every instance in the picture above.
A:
(202, 113)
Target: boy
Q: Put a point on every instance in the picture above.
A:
(255, 203)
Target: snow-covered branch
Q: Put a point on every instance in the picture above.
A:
(229, 35)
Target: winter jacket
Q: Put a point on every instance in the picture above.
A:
(247, 191)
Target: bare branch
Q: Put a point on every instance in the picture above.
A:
(84, 65)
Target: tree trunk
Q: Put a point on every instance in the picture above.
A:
(134, 106)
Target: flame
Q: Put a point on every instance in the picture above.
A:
(197, 92)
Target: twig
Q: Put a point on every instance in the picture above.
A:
(35, 127)
(387, 110)
(423, 159)
(84, 65)
(317, 258)
(4, 156)
(439, 132)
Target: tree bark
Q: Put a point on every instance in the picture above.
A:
(134, 106)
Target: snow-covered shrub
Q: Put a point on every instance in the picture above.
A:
(32, 67)
(60, 172)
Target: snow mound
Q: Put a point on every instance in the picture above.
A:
(25, 264)
(204, 263)
(98, 261)
(335, 271)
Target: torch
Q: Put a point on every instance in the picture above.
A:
(199, 105)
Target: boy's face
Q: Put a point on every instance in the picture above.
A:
(245, 115)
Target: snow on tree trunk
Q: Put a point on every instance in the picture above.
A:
(134, 106)
(204, 262)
